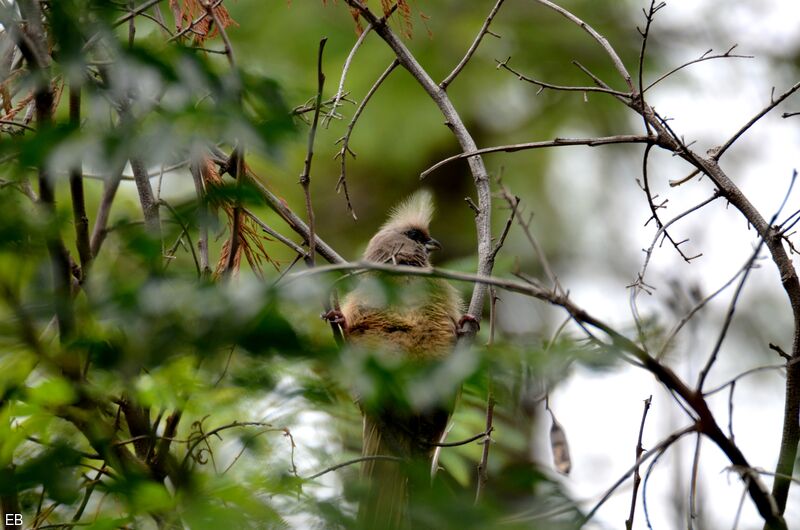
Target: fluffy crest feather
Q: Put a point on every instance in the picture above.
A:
(416, 211)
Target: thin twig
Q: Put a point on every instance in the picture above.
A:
(277, 235)
(739, 507)
(773, 103)
(649, 16)
(202, 215)
(618, 64)
(692, 514)
(13, 123)
(657, 449)
(305, 176)
(704, 57)
(636, 478)
(354, 461)
(558, 142)
(194, 442)
(526, 229)
(700, 305)
(749, 372)
(185, 229)
(473, 47)
(483, 465)
(513, 203)
(485, 435)
(542, 85)
(728, 318)
(345, 140)
(340, 92)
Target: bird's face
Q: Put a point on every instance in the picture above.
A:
(403, 245)
(422, 237)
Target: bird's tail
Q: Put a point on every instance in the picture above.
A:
(385, 504)
(396, 482)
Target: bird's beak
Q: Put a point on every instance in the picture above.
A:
(432, 245)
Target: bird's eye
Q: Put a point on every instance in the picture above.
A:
(416, 235)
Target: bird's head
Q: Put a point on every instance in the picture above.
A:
(405, 238)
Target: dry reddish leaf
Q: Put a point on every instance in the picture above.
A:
(21, 104)
(406, 26)
(403, 7)
(251, 239)
(187, 11)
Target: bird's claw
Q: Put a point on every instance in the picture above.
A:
(334, 316)
(463, 320)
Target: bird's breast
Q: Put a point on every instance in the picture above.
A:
(416, 318)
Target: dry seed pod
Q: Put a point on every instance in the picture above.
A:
(559, 447)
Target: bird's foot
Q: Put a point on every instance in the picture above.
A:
(334, 316)
(463, 320)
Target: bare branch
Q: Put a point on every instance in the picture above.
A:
(473, 47)
(13, 123)
(345, 140)
(702, 303)
(692, 514)
(542, 85)
(636, 478)
(656, 449)
(483, 465)
(704, 57)
(618, 64)
(662, 229)
(773, 103)
(751, 371)
(354, 461)
(305, 176)
(558, 142)
(203, 213)
(340, 92)
(732, 307)
(484, 436)
(277, 235)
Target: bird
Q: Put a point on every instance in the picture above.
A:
(418, 322)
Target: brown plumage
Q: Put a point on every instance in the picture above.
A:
(418, 323)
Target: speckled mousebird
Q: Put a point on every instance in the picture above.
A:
(420, 323)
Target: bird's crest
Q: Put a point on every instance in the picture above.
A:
(416, 211)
